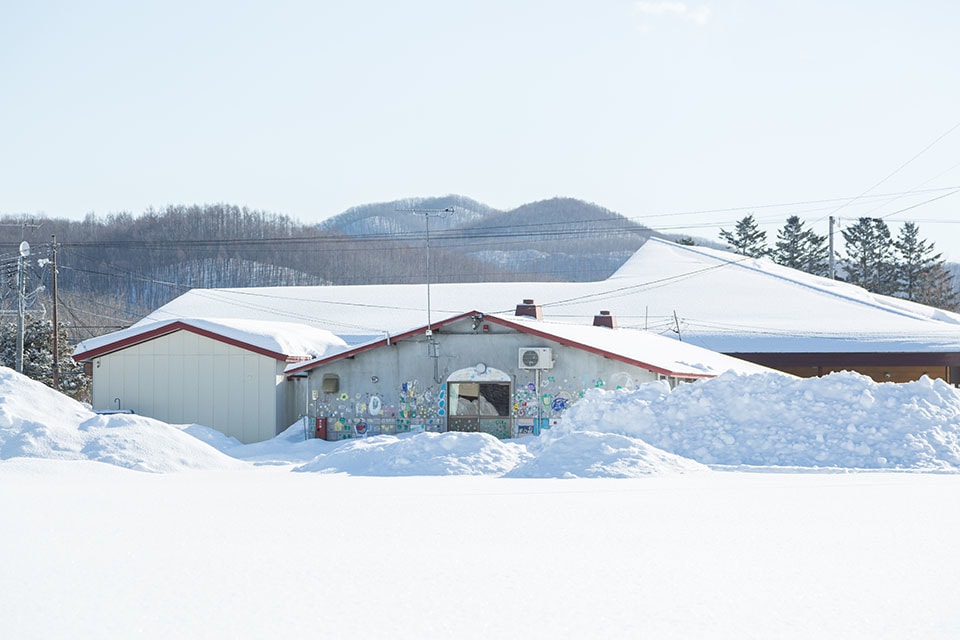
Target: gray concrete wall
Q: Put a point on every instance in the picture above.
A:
(403, 387)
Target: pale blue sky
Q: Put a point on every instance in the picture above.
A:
(651, 109)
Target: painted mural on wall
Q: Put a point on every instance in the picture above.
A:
(557, 393)
(423, 406)
(412, 407)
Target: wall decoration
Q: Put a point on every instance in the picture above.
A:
(472, 374)
(622, 380)
(375, 407)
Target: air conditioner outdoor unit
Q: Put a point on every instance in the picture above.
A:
(536, 358)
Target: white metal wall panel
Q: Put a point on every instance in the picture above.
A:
(185, 378)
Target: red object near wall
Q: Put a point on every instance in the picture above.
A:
(320, 428)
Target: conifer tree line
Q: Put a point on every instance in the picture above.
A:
(906, 266)
(38, 356)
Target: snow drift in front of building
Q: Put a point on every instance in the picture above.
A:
(38, 422)
(841, 420)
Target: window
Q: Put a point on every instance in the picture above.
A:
(485, 399)
(330, 383)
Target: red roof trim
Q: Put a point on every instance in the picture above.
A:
(173, 327)
(594, 350)
(523, 328)
(349, 353)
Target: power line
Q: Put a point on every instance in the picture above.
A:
(898, 169)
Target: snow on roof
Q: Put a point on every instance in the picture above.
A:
(733, 303)
(718, 300)
(281, 340)
(672, 357)
(642, 348)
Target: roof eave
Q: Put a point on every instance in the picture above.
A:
(173, 327)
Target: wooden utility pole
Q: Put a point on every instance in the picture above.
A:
(56, 325)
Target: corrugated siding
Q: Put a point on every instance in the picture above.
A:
(185, 378)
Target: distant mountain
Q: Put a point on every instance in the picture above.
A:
(400, 217)
(556, 239)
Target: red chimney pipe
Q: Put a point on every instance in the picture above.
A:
(529, 310)
(604, 319)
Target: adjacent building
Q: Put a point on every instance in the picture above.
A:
(225, 374)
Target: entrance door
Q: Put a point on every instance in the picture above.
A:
(480, 405)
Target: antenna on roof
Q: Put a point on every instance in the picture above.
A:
(426, 213)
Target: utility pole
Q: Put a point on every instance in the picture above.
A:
(21, 285)
(21, 303)
(426, 213)
(56, 324)
(833, 269)
(433, 350)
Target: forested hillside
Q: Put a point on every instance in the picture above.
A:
(116, 268)
(556, 239)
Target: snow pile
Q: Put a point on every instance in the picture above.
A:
(843, 420)
(38, 422)
(289, 447)
(589, 454)
(423, 454)
(840, 420)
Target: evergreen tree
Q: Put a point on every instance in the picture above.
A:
(747, 239)
(38, 356)
(938, 289)
(801, 248)
(921, 274)
(870, 260)
(915, 260)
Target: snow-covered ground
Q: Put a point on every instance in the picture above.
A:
(743, 507)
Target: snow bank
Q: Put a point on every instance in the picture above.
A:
(38, 422)
(289, 447)
(588, 454)
(843, 420)
(840, 420)
(422, 454)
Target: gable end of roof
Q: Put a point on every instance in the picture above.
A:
(173, 327)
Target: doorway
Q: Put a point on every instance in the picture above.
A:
(480, 406)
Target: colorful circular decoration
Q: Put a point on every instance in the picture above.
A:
(344, 396)
(361, 427)
(559, 404)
